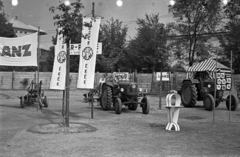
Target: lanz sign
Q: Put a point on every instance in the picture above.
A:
(20, 51)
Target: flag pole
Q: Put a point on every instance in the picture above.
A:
(38, 39)
(91, 95)
(230, 92)
(215, 92)
(67, 86)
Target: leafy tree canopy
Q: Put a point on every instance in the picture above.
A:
(231, 41)
(6, 29)
(113, 37)
(148, 51)
(194, 18)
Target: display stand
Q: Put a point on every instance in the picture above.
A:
(173, 111)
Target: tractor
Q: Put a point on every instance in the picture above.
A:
(201, 86)
(116, 91)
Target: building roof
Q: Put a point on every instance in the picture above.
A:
(20, 25)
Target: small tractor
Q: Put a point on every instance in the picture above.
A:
(34, 90)
(202, 86)
(115, 91)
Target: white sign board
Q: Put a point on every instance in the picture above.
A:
(124, 75)
(75, 49)
(99, 48)
(165, 76)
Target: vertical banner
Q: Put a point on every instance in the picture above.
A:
(88, 52)
(59, 67)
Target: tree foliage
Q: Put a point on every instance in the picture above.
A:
(6, 29)
(113, 37)
(231, 41)
(69, 18)
(148, 51)
(194, 18)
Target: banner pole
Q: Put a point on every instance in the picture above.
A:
(215, 92)
(230, 93)
(93, 15)
(38, 86)
(67, 86)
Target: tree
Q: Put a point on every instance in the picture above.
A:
(148, 51)
(113, 37)
(195, 18)
(71, 23)
(231, 41)
(6, 29)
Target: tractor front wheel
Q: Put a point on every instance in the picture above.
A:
(234, 102)
(22, 104)
(45, 101)
(145, 105)
(208, 102)
(118, 105)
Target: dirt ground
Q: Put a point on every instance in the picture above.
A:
(129, 134)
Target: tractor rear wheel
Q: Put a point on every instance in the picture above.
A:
(188, 94)
(106, 98)
(118, 106)
(208, 102)
(234, 102)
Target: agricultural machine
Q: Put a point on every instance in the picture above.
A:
(34, 90)
(200, 85)
(116, 91)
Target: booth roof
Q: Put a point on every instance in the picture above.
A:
(207, 65)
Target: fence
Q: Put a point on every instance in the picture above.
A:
(21, 80)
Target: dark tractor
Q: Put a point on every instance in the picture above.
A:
(202, 87)
(116, 92)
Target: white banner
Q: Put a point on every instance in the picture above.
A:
(75, 49)
(165, 76)
(21, 51)
(59, 67)
(88, 52)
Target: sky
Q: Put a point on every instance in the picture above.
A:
(36, 13)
